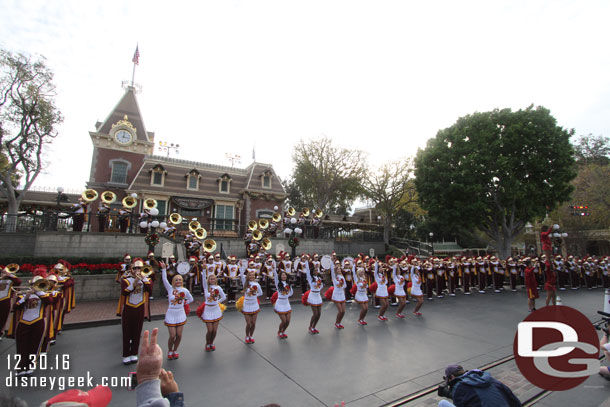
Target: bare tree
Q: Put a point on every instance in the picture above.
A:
(28, 120)
(391, 189)
(325, 176)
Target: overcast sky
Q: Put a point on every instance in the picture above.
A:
(382, 76)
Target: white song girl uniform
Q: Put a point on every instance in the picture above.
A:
(339, 286)
(382, 282)
(361, 295)
(178, 297)
(415, 282)
(282, 304)
(399, 283)
(252, 290)
(316, 284)
(214, 295)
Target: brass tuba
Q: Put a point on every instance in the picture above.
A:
(266, 244)
(108, 197)
(89, 195)
(252, 225)
(318, 213)
(263, 224)
(201, 233)
(129, 202)
(305, 212)
(277, 217)
(194, 225)
(291, 211)
(257, 234)
(209, 245)
(150, 203)
(175, 218)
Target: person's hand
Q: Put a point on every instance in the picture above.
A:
(161, 265)
(150, 358)
(168, 384)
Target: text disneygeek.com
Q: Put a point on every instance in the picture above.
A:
(63, 382)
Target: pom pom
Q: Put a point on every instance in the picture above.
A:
(240, 304)
(354, 289)
(409, 284)
(200, 310)
(274, 298)
(373, 287)
(304, 298)
(329, 293)
(222, 307)
(187, 309)
(391, 289)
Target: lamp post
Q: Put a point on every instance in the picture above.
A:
(294, 231)
(431, 234)
(558, 240)
(168, 147)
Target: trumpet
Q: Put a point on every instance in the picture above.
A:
(263, 224)
(209, 245)
(257, 235)
(276, 217)
(175, 218)
(150, 203)
(266, 244)
(200, 233)
(89, 195)
(194, 225)
(291, 211)
(252, 225)
(305, 212)
(129, 202)
(108, 197)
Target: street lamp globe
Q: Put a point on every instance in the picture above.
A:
(60, 189)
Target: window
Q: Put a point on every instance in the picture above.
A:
(190, 213)
(161, 206)
(193, 181)
(224, 184)
(157, 178)
(119, 172)
(157, 175)
(224, 217)
(266, 181)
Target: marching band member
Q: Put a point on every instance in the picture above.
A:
(338, 293)
(399, 290)
(361, 295)
(103, 210)
(194, 274)
(124, 214)
(441, 276)
(175, 317)
(314, 299)
(78, 215)
(588, 272)
(268, 271)
(210, 267)
(7, 281)
(152, 262)
(125, 266)
(349, 278)
(550, 284)
(231, 274)
(481, 272)
(212, 313)
(513, 271)
(32, 316)
(67, 300)
(429, 272)
(382, 289)
(603, 270)
(302, 270)
(135, 290)
(530, 284)
(497, 273)
(562, 275)
(572, 266)
(452, 274)
(252, 290)
(55, 295)
(467, 275)
(416, 287)
(282, 304)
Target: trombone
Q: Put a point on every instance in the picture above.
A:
(41, 284)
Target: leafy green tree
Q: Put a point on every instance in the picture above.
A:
(495, 171)
(325, 176)
(391, 190)
(28, 120)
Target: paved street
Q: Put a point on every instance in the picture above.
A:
(363, 366)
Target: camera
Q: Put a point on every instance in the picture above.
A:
(603, 324)
(444, 390)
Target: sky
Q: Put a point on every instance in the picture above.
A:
(233, 76)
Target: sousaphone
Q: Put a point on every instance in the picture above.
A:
(209, 245)
(89, 195)
(108, 197)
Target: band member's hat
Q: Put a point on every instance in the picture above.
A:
(138, 263)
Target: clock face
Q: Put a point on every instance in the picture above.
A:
(123, 137)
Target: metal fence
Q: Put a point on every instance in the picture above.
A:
(54, 221)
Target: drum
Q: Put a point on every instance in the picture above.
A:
(326, 262)
(183, 268)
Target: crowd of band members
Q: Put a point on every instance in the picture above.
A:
(35, 317)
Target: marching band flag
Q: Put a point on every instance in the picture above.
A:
(136, 56)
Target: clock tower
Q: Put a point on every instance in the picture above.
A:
(120, 144)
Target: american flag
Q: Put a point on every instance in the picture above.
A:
(136, 56)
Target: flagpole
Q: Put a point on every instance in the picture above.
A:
(133, 75)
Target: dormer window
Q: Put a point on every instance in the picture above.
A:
(192, 180)
(157, 175)
(224, 184)
(266, 179)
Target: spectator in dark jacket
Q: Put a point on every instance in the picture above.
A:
(476, 388)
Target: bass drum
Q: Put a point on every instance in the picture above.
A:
(183, 268)
(326, 262)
